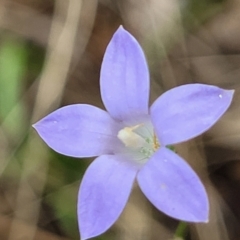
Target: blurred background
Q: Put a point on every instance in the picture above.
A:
(50, 56)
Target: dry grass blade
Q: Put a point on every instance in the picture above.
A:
(51, 86)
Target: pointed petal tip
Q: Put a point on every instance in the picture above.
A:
(86, 237)
(228, 96)
(37, 124)
(202, 219)
(202, 216)
(121, 27)
(206, 221)
(122, 31)
(34, 125)
(230, 92)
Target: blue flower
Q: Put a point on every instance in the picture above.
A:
(131, 140)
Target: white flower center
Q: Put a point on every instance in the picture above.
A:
(139, 140)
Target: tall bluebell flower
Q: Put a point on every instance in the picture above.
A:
(131, 140)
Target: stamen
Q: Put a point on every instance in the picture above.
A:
(156, 144)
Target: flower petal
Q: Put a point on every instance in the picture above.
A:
(124, 77)
(103, 194)
(80, 130)
(187, 111)
(173, 187)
